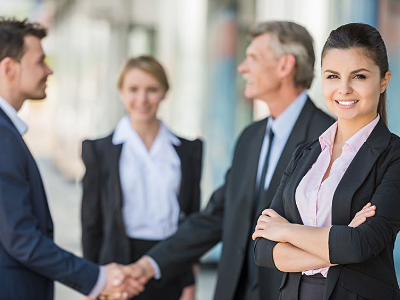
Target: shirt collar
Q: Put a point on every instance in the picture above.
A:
(283, 124)
(124, 132)
(352, 144)
(11, 112)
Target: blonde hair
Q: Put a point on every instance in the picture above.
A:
(147, 64)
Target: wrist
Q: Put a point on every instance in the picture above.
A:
(287, 231)
(147, 267)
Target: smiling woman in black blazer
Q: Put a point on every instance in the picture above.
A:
(140, 181)
(328, 181)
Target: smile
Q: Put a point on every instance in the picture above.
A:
(347, 103)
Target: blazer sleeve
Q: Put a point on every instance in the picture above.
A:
(355, 245)
(197, 234)
(20, 233)
(197, 167)
(91, 218)
(263, 248)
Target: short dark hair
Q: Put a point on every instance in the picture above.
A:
(12, 34)
(369, 41)
(291, 38)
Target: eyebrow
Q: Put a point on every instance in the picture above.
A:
(352, 72)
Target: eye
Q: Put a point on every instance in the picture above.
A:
(153, 90)
(359, 76)
(332, 76)
(133, 89)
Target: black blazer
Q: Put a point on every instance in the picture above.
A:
(29, 259)
(364, 254)
(228, 216)
(103, 231)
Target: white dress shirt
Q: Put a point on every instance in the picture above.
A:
(150, 182)
(282, 126)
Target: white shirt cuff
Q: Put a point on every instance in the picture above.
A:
(100, 284)
(155, 267)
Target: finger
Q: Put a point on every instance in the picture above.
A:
(361, 218)
(270, 212)
(133, 286)
(257, 233)
(263, 219)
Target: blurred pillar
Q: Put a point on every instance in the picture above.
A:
(314, 16)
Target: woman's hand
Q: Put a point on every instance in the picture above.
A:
(271, 226)
(366, 212)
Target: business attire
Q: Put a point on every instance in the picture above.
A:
(232, 212)
(29, 259)
(134, 197)
(365, 172)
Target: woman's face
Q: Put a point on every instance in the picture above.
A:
(352, 84)
(141, 94)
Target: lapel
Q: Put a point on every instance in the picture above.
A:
(296, 137)
(184, 171)
(254, 151)
(307, 159)
(113, 155)
(32, 163)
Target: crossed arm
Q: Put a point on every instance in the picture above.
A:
(300, 247)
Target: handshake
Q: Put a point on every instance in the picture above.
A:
(125, 282)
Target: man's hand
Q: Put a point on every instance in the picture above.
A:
(120, 284)
(141, 270)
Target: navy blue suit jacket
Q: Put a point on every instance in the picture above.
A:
(29, 259)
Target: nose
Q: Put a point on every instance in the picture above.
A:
(242, 67)
(345, 87)
(142, 96)
(49, 71)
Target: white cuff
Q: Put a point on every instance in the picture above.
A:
(155, 267)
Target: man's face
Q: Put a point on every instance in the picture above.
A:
(32, 71)
(260, 68)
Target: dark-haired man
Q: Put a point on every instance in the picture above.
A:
(29, 259)
(278, 69)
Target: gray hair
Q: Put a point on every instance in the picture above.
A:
(291, 38)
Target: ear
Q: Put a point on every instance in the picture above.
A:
(385, 81)
(8, 68)
(287, 64)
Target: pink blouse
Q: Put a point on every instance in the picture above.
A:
(314, 197)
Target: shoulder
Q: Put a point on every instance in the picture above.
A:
(251, 130)
(97, 143)
(318, 115)
(394, 145)
(193, 147)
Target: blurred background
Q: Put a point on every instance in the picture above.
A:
(200, 43)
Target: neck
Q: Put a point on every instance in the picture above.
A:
(281, 99)
(11, 98)
(147, 131)
(348, 128)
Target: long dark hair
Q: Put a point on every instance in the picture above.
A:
(369, 40)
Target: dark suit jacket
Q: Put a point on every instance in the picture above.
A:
(29, 259)
(228, 216)
(103, 231)
(364, 254)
